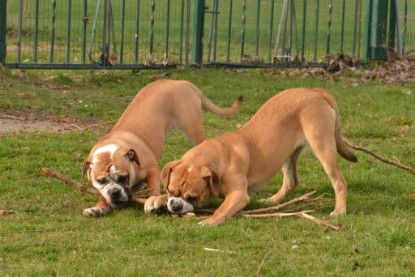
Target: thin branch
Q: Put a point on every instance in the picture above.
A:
(379, 157)
(278, 207)
(318, 221)
(81, 188)
(279, 215)
(262, 264)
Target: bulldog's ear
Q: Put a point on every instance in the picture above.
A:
(85, 167)
(212, 178)
(132, 155)
(165, 173)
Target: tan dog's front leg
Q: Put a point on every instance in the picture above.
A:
(100, 209)
(233, 203)
(153, 181)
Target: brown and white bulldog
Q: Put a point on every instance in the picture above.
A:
(128, 157)
(237, 164)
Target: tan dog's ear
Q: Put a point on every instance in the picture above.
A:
(85, 167)
(212, 178)
(165, 173)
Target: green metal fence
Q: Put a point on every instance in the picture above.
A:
(158, 34)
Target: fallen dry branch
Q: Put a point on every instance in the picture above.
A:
(280, 206)
(81, 188)
(6, 212)
(279, 215)
(379, 157)
(318, 221)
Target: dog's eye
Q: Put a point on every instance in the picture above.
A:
(190, 198)
(121, 178)
(102, 181)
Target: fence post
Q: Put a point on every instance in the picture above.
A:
(3, 14)
(198, 31)
(376, 30)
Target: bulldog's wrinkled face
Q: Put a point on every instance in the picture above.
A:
(188, 186)
(111, 170)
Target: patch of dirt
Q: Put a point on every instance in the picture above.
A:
(19, 121)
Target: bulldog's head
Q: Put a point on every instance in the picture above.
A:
(188, 186)
(112, 170)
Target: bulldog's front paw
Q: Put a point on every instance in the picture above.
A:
(96, 212)
(154, 203)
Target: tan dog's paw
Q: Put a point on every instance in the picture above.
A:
(154, 203)
(209, 222)
(96, 212)
(336, 214)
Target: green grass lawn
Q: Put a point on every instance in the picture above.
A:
(48, 236)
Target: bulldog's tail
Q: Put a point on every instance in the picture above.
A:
(342, 147)
(215, 109)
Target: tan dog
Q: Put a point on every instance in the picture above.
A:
(237, 164)
(129, 155)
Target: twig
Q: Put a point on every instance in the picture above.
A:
(218, 250)
(6, 212)
(278, 207)
(81, 188)
(262, 264)
(377, 156)
(279, 215)
(49, 172)
(318, 221)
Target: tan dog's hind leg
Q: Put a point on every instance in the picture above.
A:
(100, 209)
(290, 178)
(324, 147)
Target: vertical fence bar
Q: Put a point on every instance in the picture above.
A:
(36, 31)
(52, 35)
(355, 27)
(137, 31)
(258, 13)
(94, 28)
(316, 30)
(342, 26)
(228, 43)
(106, 35)
(405, 19)
(68, 32)
(167, 30)
(198, 31)
(271, 30)
(153, 8)
(187, 43)
(243, 20)
(181, 31)
(212, 14)
(304, 29)
(111, 30)
(85, 20)
(392, 24)
(19, 33)
(122, 32)
(3, 21)
(329, 27)
(215, 34)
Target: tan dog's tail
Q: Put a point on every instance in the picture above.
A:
(215, 109)
(342, 148)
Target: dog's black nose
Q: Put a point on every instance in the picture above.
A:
(177, 206)
(115, 193)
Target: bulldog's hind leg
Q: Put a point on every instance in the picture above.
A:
(290, 178)
(100, 209)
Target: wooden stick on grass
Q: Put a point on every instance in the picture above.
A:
(81, 188)
(379, 157)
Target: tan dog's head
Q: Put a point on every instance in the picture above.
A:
(188, 186)
(112, 170)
